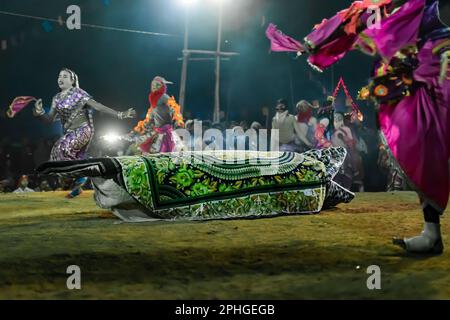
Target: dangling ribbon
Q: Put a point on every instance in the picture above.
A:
(280, 42)
(356, 113)
(18, 105)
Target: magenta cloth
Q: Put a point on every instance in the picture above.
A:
(323, 32)
(167, 144)
(332, 51)
(281, 42)
(417, 130)
(18, 105)
(329, 52)
(399, 30)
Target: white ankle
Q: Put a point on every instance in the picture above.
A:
(432, 231)
(426, 240)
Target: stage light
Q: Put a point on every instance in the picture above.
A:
(188, 2)
(111, 138)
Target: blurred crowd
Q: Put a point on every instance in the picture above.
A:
(303, 127)
(306, 126)
(18, 161)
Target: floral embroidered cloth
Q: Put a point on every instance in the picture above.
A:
(213, 185)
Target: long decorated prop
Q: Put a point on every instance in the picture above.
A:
(356, 113)
(205, 185)
(18, 105)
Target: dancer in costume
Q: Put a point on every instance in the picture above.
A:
(353, 171)
(212, 184)
(321, 136)
(323, 130)
(410, 82)
(305, 132)
(156, 132)
(74, 107)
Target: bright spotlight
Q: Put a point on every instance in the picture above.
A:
(188, 2)
(111, 138)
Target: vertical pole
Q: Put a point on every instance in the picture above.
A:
(291, 86)
(185, 60)
(219, 42)
(332, 80)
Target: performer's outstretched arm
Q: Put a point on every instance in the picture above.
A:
(39, 111)
(130, 113)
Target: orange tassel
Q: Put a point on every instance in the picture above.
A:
(177, 116)
(140, 127)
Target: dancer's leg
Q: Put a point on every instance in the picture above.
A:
(430, 240)
(77, 189)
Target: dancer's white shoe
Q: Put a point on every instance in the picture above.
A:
(428, 242)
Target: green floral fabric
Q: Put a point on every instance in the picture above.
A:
(212, 185)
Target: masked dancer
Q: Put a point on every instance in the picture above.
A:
(155, 133)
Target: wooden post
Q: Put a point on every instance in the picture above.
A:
(216, 117)
(185, 61)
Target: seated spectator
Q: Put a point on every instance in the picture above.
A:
(3, 186)
(44, 186)
(23, 185)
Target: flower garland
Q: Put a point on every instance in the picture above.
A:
(356, 113)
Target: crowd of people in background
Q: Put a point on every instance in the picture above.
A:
(18, 161)
(367, 166)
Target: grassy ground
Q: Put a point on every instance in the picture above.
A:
(297, 257)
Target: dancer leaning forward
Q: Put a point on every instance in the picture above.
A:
(411, 85)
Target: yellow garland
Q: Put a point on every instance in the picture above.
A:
(177, 116)
(140, 127)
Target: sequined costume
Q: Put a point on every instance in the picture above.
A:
(70, 107)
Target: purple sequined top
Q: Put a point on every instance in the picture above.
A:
(71, 104)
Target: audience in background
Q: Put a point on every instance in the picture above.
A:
(297, 133)
(23, 185)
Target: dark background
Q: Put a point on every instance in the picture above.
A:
(117, 67)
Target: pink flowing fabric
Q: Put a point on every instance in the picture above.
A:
(280, 42)
(18, 105)
(332, 52)
(167, 144)
(417, 128)
(398, 30)
(417, 131)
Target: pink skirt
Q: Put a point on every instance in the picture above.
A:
(417, 131)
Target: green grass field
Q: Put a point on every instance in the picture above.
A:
(298, 257)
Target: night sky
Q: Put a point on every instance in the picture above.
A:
(117, 67)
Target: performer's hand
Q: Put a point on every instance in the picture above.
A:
(38, 108)
(130, 113)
